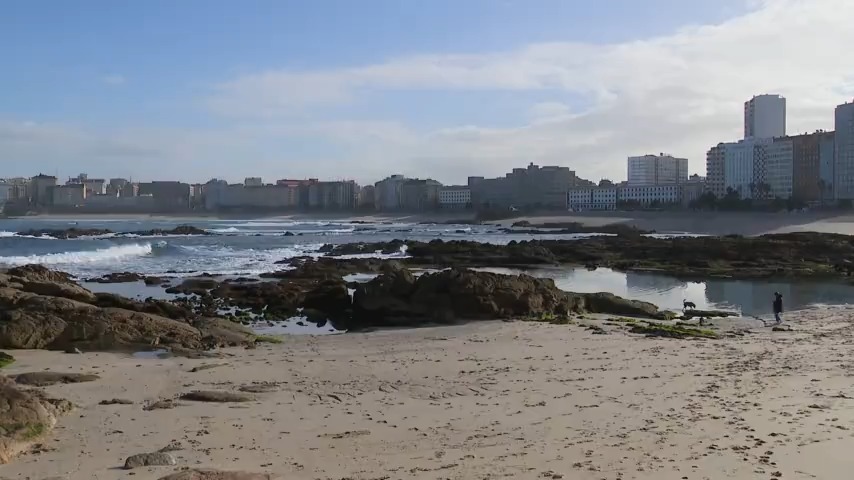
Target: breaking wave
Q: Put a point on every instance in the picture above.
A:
(81, 257)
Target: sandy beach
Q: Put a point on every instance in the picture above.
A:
(483, 400)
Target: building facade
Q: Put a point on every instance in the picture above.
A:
(649, 194)
(417, 195)
(812, 163)
(692, 190)
(738, 168)
(40, 190)
(657, 169)
(71, 195)
(715, 166)
(387, 192)
(531, 187)
(592, 198)
(455, 197)
(765, 117)
(843, 174)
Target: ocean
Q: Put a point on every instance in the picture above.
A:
(252, 247)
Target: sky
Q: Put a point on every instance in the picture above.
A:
(443, 89)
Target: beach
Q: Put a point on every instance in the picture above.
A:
(482, 400)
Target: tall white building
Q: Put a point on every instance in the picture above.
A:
(739, 167)
(844, 152)
(765, 117)
(657, 169)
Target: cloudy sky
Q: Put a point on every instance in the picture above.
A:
(195, 89)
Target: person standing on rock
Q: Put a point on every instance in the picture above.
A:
(778, 307)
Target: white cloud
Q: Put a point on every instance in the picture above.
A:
(679, 93)
(114, 79)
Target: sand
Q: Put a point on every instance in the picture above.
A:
(709, 223)
(485, 400)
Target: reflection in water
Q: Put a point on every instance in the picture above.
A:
(750, 297)
(294, 326)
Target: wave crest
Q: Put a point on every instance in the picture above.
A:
(81, 257)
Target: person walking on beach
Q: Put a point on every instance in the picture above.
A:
(778, 307)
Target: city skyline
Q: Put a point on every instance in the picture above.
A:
(427, 89)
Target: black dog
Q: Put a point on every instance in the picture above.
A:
(686, 305)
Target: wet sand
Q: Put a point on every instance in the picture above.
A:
(485, 400)
(709, 223)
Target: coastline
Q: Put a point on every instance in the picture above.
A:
(486, 399)
(705, 223)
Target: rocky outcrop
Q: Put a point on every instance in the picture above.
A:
(66, 234)
(568, 228)
(386, 248)
(397, 298)
(59, 315)
(804, 254)
(46, 379)
(206, 474)
(326, 267)
(179, 230)
(72, 233)
(121, 277)
(194, 286)
(156, 459)
(219, 332)
(26, 417)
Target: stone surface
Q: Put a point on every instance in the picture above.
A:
(44, 379)
(156, 459)
(206, 474)
(216, 397)
(26, 417)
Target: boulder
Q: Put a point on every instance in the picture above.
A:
(216, 397)
(397, 298)
(39, 321)
(46, 379)
(156, 459)
(205, 474)
(40, 273)
(194, 286)
(330, 297)
(179, 230)
(26, 417)
(219, 332)
(6, 359)
(120, 277)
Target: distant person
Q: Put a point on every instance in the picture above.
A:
(778, 307)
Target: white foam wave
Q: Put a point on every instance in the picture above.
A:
(224, 230)
(82, 257)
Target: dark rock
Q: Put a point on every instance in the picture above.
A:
(152, 281)
(122, 277)
(66, 234)
(39, 273)
(164, 404)
(288, 234)
(116, 401)
(179, 230)
(330, 297)
(397, 298)
(194, 286)
(156, 459)
(45, 379)
(26, 417)
(216, 397)
(355, 248)
(219, 332)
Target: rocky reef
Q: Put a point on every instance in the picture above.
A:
(806, 254)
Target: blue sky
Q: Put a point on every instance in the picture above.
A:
(360, 88)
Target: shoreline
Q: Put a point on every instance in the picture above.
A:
(708, 223)
(488, 399)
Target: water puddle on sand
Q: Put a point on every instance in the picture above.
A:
(294, 326)
(158, 354)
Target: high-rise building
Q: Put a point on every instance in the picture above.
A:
(843, 184)
(812, 166)
(715, 164)
(657, 169)
(765, 117)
